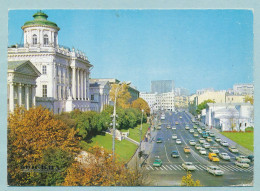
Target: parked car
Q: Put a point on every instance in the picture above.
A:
(215, 170)
(213, 157)
(233, 149)
(217, 139)
(224, 156)
(201, 140)
(224, 143)
(174, 136)
(242, 164)
(159, 140)
(175, 154)
(188, 166)
(157, 163)
(206, 145)
(202, 151)
(209, 139)
(192, 142)
(198, 146)
(242, 158)
(178, 141)
(214, 150)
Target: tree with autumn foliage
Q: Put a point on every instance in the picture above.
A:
(30, 134)
(249, 99)
(141, 104)
(123, 95)
(99, 169)
(188, 180)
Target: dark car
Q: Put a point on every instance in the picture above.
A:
(175, 154)
(159, 140)
(251, 157)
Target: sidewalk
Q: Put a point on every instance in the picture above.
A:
(243, 150)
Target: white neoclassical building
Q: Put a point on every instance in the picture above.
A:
(21, 84)
(64, 81)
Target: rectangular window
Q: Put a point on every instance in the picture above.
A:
(44, 69)
(92, 97)
(44, 90)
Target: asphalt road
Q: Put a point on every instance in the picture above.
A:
(171, 171)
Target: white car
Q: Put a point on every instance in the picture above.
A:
(214, 150)
(174, 136)
(158, 127)
(192, 142)
(168, 127)
(187, 127)
(242, 164)
(199, 129)
(202, 151)
(198, 146)
(201, 140)
(206, 145)
(178, 141)
(233, 149)
(242, 159)
(173, 128)
(191, 130)
(224, 143)
(212, 134)
(217, 139)
(180, 117)
(188, 166)
(224, 156)
(195, 134)
(215, 170)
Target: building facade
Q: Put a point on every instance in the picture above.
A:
(181, 92)
(21, 84)
(181, 102)
(243, 89)
(64, 81)
(162, 86)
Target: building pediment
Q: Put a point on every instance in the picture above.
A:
(23, 67)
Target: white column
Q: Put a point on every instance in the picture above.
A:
(27, 105)
(33, 95)
(11, 97)
(73, 83)
(88, 93)
(20, 94)
(85, 84)
(101, 100)
(82, 85)
(78, 81)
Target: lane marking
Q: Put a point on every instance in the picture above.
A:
(173, 167)
(181, 167)
(147, 168)
(168, 167)
(151, 167)
(166, 153)
(177, 167)
(198, 167)
(164, 168)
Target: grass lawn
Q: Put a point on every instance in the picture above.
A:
(124, 149)
(135, 132)
(244, 139)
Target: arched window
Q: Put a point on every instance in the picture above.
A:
(45, 39)
(34, 38)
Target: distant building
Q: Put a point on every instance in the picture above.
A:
(162, 86)
(99, 95)
(134, 93)
(235, 98)
(150, 98)
(21, 84)
(217, 96)
(181, 92)
(202, 91)
(181, 102)
(243, 89)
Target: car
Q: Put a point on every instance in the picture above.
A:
(157, 163)
(186, 149)
(242, 164)
(195, 127)
(214, 150)
(224, 156)
(198, 146)
(168, 127)
(188, 166)
(251, 157)
(196, 122)
(207, 131)
(191, 130)
(206, 145)
(233, 149)
(173, 128)
(215, 170)
(175, 154)
(213, 157)
(217, 139)
(212, 134)
(158, 127)
(242, 158)
(180, 117)
(195, 134)
(187, 127)
(176, 123)
(209, 139)
(178, 141)
(158, 140)
(192, 142)
(203, 128)
(202, 151)
(174, 136)
(201, 140)
(199, 129)
(224, 143)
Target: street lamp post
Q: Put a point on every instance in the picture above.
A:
(141, 127)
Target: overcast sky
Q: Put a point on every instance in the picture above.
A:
(195, 48)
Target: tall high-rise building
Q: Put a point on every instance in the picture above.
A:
(162, 86)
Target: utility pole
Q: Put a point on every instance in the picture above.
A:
(141, 127)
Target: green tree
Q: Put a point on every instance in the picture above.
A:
(203, 105)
